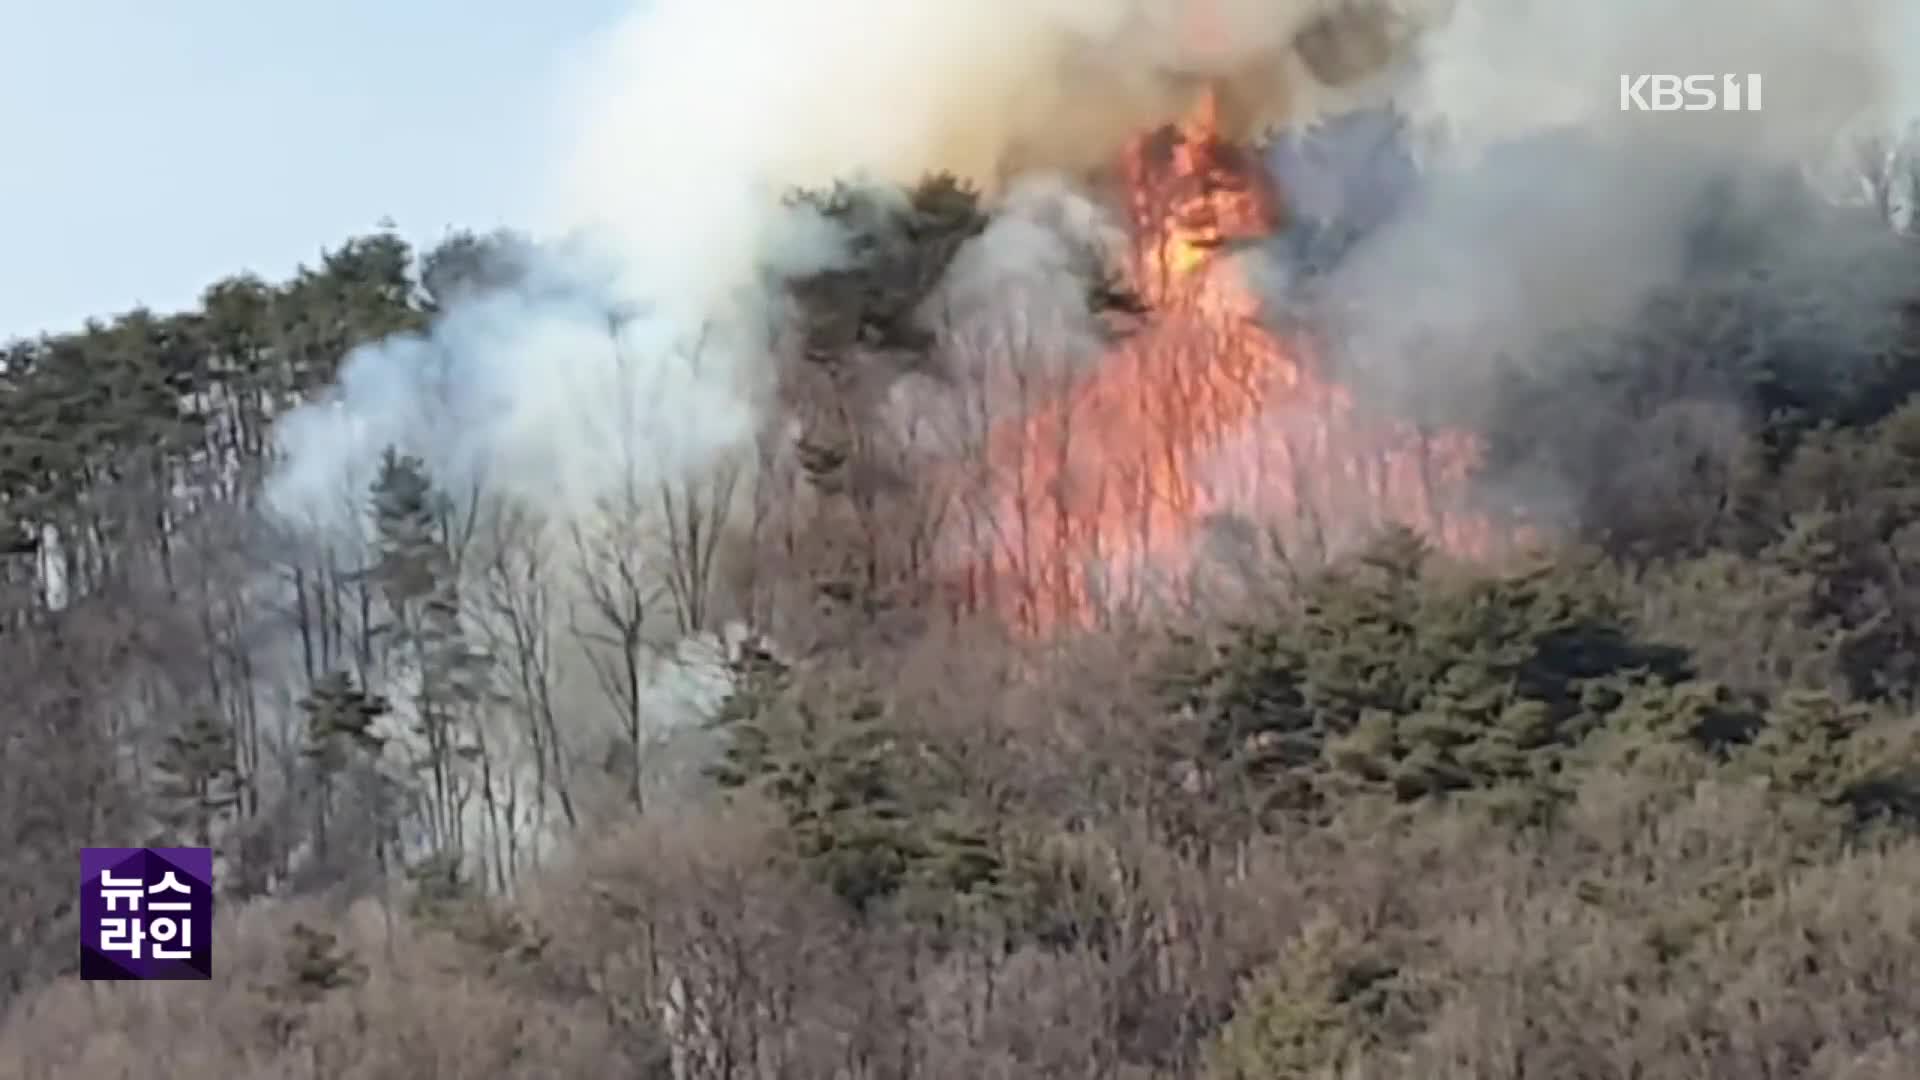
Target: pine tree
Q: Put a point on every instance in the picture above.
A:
(1398, 679)
(847, 815)
(758, 679)
(415, 571)
(864, 808)
(317, 964)
(199, 775)
(339, 735)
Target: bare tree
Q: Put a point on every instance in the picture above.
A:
(519, 620)
(611, 623)
(618, 580)
(63, 783)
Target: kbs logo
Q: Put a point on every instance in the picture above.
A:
(1689, 93)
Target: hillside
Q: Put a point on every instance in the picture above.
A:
(728, 772)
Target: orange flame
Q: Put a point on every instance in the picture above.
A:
(1100, 496)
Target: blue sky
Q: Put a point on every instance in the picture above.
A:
(151, 147)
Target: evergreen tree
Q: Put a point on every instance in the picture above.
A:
(340, 736)
(1397, 677)
(867, 805)
(199, 776)
(414, 567)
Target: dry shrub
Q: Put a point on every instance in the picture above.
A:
(1653, 936)
(690, 924)
(409, 1004)
(1798, 984)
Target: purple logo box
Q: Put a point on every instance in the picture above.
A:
(146, 913)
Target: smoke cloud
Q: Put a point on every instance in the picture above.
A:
(1545, 207)
(639, 331)
(694, 116)
(1496, 69)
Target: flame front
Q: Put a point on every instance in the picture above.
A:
(1101, 494)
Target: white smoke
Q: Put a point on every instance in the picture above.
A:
(547, 392)
(694, 119)
(1496, 69)
(1546, 206)
(697, 114)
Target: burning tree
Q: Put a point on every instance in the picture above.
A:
(1100, 496)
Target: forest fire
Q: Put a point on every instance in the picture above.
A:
(1104, 496)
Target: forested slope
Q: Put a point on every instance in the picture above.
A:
(1639, 803)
